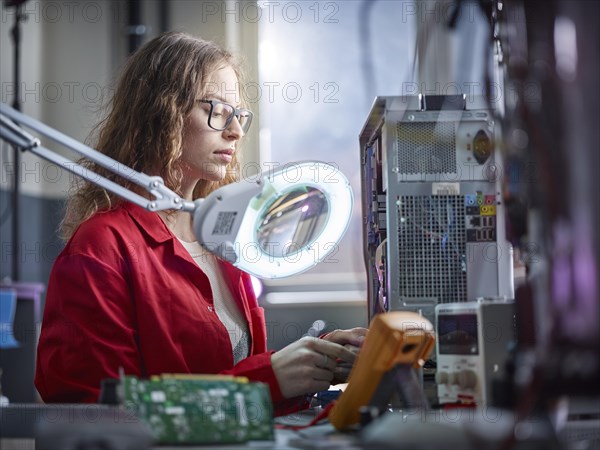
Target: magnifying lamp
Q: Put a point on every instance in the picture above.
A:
(281, 223)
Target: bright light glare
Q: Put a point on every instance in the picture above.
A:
(257, 286)
(267, 55)
(565, 48)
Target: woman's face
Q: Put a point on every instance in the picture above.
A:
(206, 153)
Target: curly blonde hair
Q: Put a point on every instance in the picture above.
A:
(145, 116)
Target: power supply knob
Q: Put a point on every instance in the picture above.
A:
(441, 377)
(453, 378)
(467, 379)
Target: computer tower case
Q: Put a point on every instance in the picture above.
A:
(434, 229)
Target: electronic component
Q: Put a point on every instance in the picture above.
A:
(431, 194)
(472, 349)
(395, 340)
(200, 409)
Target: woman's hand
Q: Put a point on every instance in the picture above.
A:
(352, 340)
(308, 365)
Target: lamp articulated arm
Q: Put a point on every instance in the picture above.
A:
(11, 123)
(276, 225)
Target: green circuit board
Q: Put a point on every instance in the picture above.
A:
(206, 409)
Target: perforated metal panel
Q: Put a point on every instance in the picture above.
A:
(432, 248)
(426, 147)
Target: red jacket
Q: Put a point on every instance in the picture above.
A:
(125, 293)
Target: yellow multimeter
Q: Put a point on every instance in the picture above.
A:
(395, 339)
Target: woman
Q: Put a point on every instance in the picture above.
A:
(133, 289)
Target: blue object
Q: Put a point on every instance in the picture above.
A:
(8, 305)
(323, 398)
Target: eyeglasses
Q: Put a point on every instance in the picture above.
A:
(221, 115)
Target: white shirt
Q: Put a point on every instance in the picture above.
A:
(225, 307)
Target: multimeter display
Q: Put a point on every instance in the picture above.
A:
(457, 334)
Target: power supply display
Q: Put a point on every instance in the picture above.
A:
(472, 349)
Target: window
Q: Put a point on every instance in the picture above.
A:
(321, 65)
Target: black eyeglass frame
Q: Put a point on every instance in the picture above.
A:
(236, 113)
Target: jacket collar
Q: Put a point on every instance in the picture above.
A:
(149, 222)
(154, 227)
